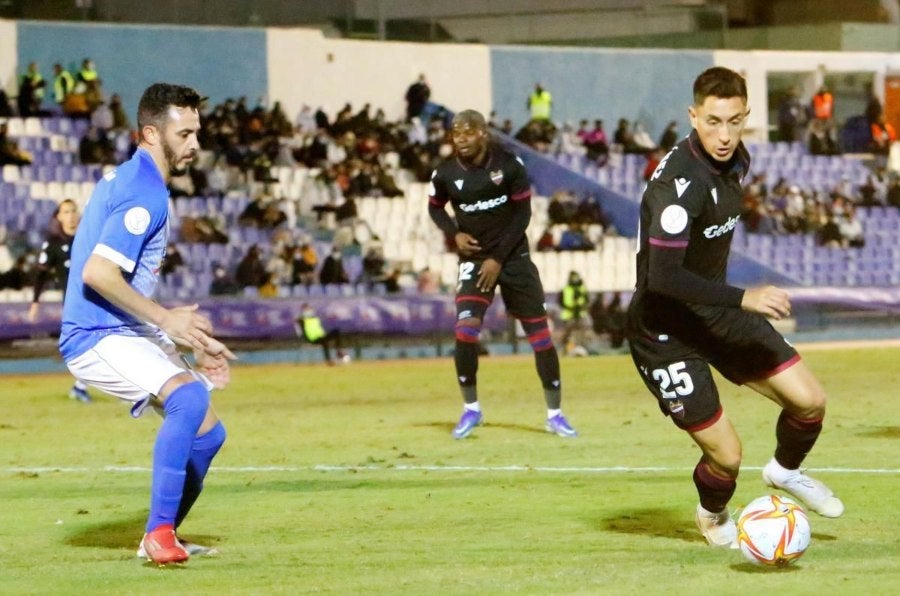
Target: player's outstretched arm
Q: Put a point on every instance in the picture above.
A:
(184, 325)
(212, 361)
(768, 300)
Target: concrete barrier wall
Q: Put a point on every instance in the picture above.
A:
(218, 62)
(306, 67)
(299, 66)
(8, 57)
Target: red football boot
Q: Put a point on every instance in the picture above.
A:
(162, 547)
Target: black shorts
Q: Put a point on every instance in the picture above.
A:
(742, 346)
(520, 286)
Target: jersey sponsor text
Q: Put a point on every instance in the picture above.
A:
(483, 205)
(716, 231)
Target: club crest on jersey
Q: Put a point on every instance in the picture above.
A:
(676, 408)
(497, 176)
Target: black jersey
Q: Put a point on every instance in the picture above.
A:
(688, 213)
(492, 202)
(53, 263)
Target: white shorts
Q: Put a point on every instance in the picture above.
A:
(131, 368)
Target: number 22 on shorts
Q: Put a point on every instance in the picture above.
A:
(465, 273)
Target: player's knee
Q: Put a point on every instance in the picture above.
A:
(727, 463)
(538, 332)
(807, 401)
(468, 330)
(189, 401)
(216, 436)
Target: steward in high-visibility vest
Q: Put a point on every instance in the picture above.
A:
(63, 83)
(574, 300)
(87, 73)
(31, 91)
(309, 326)
(823, 104)
(34, 79)
(540, 102)
(883, 135)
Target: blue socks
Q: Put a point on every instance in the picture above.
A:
(185, 409)
(204, 450)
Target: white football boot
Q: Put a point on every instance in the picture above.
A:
(719, 529)
(811, 492)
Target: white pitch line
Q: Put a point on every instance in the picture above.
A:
(409, 468)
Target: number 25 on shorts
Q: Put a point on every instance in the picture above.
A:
(673, 381)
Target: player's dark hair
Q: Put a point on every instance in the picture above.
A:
(719, 82)
(470, 117)
(153, 108)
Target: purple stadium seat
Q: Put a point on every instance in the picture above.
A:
(79, 127)
(26, 174)
(64, 126)
(217, 253)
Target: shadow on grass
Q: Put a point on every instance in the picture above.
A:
(123, 533)
(658, 523)
(823, 537)
(748, 567)
(487, 426)
(882, 432)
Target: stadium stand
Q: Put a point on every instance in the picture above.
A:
(31, 192)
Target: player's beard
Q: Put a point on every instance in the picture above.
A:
(172, 160)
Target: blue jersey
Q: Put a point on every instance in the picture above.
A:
(125, 221)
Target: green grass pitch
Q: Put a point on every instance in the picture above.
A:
(346, 480)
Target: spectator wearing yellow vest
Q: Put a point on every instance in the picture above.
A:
(31, 91)
(309, 327)
(63, 84)
(88, 75)
(573, 300)
(540, 103)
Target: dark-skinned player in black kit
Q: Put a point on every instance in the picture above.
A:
(489, 191)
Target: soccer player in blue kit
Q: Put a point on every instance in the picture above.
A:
(685, 317)
(490, 193)
(117, 339)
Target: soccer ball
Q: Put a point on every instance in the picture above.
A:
(773, 531)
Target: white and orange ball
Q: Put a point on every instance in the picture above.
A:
(773, 531)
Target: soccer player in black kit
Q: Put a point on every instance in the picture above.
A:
(491, 198)
(53, 266)
(684, 317)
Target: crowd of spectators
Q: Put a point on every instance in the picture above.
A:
(812, 122)
(573, 223)
(349, 156)
(831, 217)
